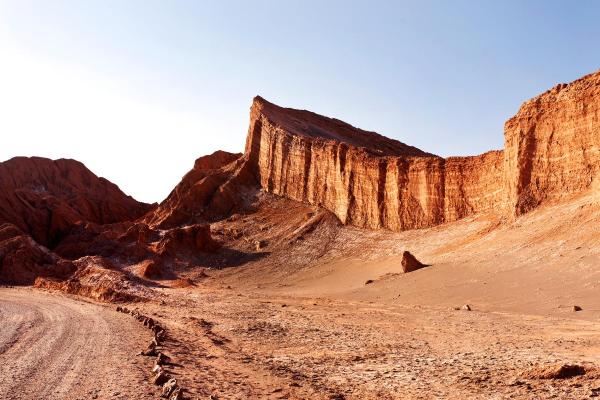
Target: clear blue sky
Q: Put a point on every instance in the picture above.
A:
(138, 89)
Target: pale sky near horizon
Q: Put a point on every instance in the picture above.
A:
(137, 90)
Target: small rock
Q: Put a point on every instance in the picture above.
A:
(577, 308)
(162, 359)
(168, 388)
(150, 351)
(161, 378)
(177, 394)
(157, 368)
(369, 281)
(466, 307)
(410, 263)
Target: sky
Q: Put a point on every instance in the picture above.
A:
(137, 90)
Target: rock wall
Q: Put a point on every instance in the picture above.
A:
(552, 149)
(385, 185)
(553, 144)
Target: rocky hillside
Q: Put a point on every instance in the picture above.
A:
(45, 198)
(298, 168)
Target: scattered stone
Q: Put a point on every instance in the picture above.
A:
(410, 263)
(157, 368)
(177, 394)
(162, 359)
(150, 351)
(161, 378)
(168, 388)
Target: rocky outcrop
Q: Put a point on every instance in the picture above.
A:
(410, 263)
(22, 260)
(190, 239)
(365, 179)
(551, 150)
(45, 198)
(211, 190)
(552, 145)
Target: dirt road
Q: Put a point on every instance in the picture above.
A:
(55, 347)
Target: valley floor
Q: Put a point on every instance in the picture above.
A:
(299, 321)
(237, 345)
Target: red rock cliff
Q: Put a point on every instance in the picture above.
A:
(366, 179)
(552, 148)
(553, 144)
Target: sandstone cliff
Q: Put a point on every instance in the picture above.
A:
(553, 144)
(365, 179)
(552, 149)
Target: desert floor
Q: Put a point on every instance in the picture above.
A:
(301, 322)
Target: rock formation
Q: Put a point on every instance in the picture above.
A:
(552, 145)
(365, 179)
(212, 189)
(410, 263)
(55, 214)
(551, 149)
(22, 260)
(45, 198)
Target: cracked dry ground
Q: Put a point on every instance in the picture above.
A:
(237, 345)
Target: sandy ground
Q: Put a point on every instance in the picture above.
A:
(237, 345)
(55, 347)
(301, 323)
(295, 319)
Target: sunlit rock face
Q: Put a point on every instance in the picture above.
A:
(366, 179)
(552, 145)
(46, 198)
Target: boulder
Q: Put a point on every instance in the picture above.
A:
(410, 263)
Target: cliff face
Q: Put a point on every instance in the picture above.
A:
(552, 148)
(45, 198)
(388, 184)
(553, 144)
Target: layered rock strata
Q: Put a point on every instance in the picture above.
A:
(552, 149)
(306, 157)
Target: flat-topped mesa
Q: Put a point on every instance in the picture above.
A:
(366, 179)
